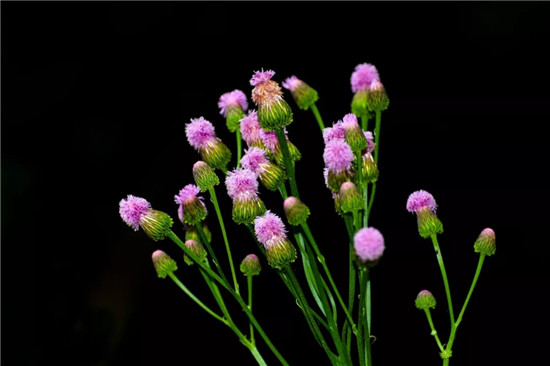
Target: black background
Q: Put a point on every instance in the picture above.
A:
(95, 97)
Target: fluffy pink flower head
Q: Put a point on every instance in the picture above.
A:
(199, 132)
(369, 244)
(349, 121)
(335, 132)
(187, 194)
(419, 200)
(338, 156)
(363, 76)
(254, 159)
(261, 77)
(269, 228)
(250, 128)
(132, 209)
(292, 83)
(241, 184)
(232, 99)
(270, 139)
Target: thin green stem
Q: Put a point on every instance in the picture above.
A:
(317, 116)
(434, 332)
(205, 242)
(214, 199)
(365, 328)
(377, 135)
(249, 282)
(194, 298)
(283, 191)
(372, 192)
(239, 147)
(365, 121)
(289, 164)
(445, 280)
(366, 202)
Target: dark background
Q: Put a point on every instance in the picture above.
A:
(95, 98)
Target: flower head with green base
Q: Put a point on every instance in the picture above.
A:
(251, 130)
(136, 212)
(197, 249)
(485, 243)
(338, 158)
(204, 176)
(425, 300)
(423, 205)
(272, 146)
(163, 264)
(353, 134)
(233, 106)
(273, 111)
(378, 98)
(242, 187)
(271, 232)
(361, 80)
(296, 211)
(250, 266)
(303, 94)
(194, 210)
(271, 175)
(202, 136)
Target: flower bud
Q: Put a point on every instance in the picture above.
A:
(156, 224)
(197, 249)
(204, 176)
(296, 211)
(353, 134)
(369, 169)
(485, 243)
(377, 99)
(350, 198)
(303, 94)
(425, 300)
(136, 212)
(250, 266)
(273, 111)
(270, 231)
(163, 263)
(191, 233)
(194, 210)
(216, 154)
(423, 204)
(233, 106)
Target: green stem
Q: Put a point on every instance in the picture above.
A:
(194, 298)
(317, 116)
(372, 192)
(214, 199)
(289, 164)
(366, 202)
(282, 190)
(365, 331)
(249, 281)
(321, 260)
(205, 242)
(256, 354)
(365, 121)
(172, 236)
(434, 332)
(239, 147)
(377, 135)
(445, 280)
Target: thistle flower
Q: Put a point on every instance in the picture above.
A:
(251, 130)
(193, 208)
(270, 175)
(296, 211)
(163, 264)
(272, 146)
(136, 212)
(369, 169)
(232, 106)
(197, 249)
(338, 158)
(204, 176)
(361, 80)
(273, 111)
(378, 98)
(350, 200)
(250, 266)
(369, 245)
(303, 94)
(485, 243)
(423, 205)
(201, 135)
(242, 187)
(354, 136)
(270, 231)
(425, 300)
(335, 132)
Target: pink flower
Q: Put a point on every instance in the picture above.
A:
(232, 99)
(338, 156)
(132, 209)
(363, 76)
(292, 83)
(187, 194)
(370, 141)
(335, 132)
(270, 140)
(254, 159)
(261, 77)
(419, 200)
(269, 228)
(369, 244)
(250, 128)
(350, 121)
(242, 184)
(199, 132)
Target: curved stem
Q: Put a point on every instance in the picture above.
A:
(445, 280)
(317, 116)
(214, 199)
(289, 164)
(434, 332)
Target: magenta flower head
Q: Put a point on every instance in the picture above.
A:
(338, 158)
(272, 146)
(271, 232)
(194, 210)
(273, 111)
(242, 187)
(296, 211)
(164, 265)
(369, 245)
(378, 98)
(251, 130)
(250, 266)
(361, 80)
(425, 300)
(201, 135)
(136, 212)
(485, 243)
(334, 133)
(423, 205)
(303, 94)
(353, 134)
(198, 251)
(232, 106)
(271, 175)
(370, 142)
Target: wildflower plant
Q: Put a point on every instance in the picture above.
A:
(340, 319)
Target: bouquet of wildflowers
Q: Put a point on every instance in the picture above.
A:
(339, 318)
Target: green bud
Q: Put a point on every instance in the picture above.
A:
(425, 300)
(163, 263)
